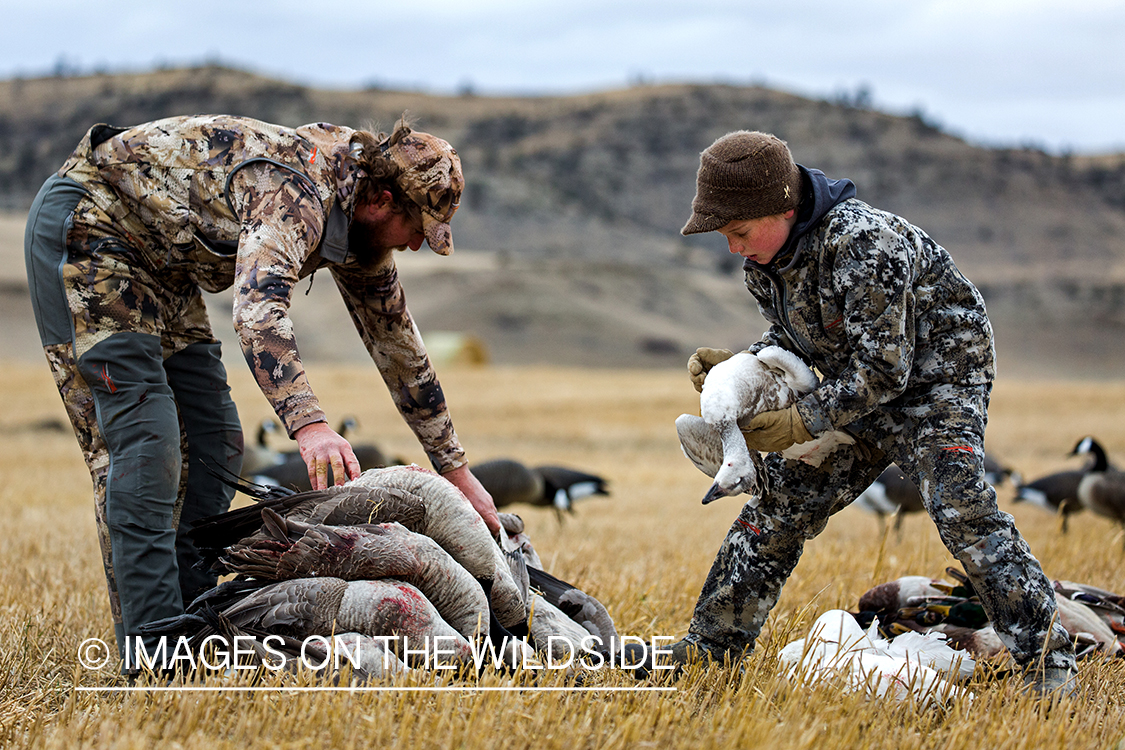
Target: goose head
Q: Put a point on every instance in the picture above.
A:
(739, 473)
(1087, 446)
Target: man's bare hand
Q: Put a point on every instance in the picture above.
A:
(322, 448)
(464, 480)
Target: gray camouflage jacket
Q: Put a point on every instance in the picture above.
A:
(876, 306)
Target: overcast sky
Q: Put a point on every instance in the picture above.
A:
(1048, 73)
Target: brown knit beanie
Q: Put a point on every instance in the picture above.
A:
(743, 175)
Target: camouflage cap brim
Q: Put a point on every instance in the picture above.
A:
(439, 235)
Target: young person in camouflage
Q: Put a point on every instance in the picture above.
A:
(119, 244)
(906, 352)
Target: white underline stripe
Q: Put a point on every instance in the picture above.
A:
(465, 689)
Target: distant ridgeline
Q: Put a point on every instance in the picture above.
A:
(609, 176)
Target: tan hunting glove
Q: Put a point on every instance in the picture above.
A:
(774, 431)
(700, 363)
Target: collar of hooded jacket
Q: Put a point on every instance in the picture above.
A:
(820, 195)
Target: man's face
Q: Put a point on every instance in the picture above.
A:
(760, 239)
(378, 229)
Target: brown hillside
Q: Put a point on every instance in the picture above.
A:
(577, 202)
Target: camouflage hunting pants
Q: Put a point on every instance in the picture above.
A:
(936, 436)
(141, 378)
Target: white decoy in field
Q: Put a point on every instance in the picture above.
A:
(734, 392)
(912, 666)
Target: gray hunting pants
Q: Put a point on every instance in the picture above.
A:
(146, 391)
(936, 436)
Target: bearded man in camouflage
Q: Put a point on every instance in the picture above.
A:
(120, 243)
(906, 350)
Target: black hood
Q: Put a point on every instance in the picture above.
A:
(818, 195)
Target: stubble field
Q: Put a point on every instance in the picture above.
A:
(643, 552)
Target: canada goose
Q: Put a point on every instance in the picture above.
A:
(511, 482)
(1102, 490)
(1055, 493)
(735, 391)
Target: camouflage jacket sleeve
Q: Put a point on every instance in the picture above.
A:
(282, 221)
(870, 275)
(377, 305)
(774, 336)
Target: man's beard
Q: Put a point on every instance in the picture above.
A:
(366, 243)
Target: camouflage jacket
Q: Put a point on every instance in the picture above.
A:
(876, 306)
(214, 201)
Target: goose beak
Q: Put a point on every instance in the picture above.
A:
(713, 494)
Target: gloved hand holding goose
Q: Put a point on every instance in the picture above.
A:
(748, 403)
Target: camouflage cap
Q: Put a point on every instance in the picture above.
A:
(431, 177)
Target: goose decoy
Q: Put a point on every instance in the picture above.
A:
(735, 391)
(996, 473)
(511, 482)
(259, 456)
(918, 666)
(1055, 493)
(1102, 489)
(369, 455)
(288, 469)
(563, 486)
(892, 494)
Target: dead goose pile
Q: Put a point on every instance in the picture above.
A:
(397, 556)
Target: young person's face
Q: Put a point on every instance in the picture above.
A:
(759, 239)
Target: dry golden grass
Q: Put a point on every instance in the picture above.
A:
(644, 552)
